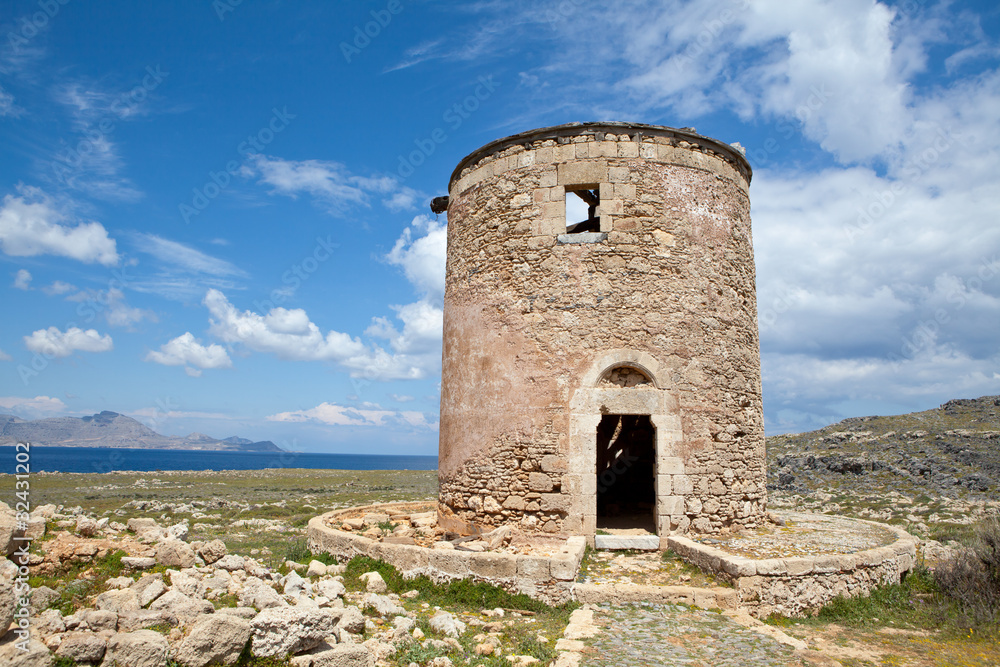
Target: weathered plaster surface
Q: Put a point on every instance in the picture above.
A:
(532, 327)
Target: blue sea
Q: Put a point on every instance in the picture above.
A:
(104, 459)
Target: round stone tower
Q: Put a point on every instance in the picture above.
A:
(601, 364)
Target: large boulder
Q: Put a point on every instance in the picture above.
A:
(316, 569)
(179, 531)
(374, 583)
(98, 619)
(37, 655)
(183, 607)
(146, 618)
(187, 584)
(42, 597)
(383, 606)
(174, 553)
(212, 551)
(8, 529)
(295, 586)
(281, 630)
(331, 588)
(351, 620)
(86, 526)
(82, 646)
(230, 563)
(259, 595)
(341, 655)
(446, 624)
(49, 622)
(217, 639)
(118, 601)
(8, 596)
(138, 562)
(148, 588)
(142, 648)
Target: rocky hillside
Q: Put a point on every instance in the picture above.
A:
(110, 429)
(952, 451)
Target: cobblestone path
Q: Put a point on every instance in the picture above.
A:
(653, 634)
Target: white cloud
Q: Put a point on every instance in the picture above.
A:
(22, 280)
(30, 225)
(31, 408)
(4, 356)
(185, 350)
(58, 288)
(288, 334)
(341, 415)
(184, 257)
(330, 183)
(52, 342)
(420, 251)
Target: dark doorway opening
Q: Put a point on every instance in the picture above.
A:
(626, 465)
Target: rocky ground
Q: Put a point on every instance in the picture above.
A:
(951, 452)
(141, 593)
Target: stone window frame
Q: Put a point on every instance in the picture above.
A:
(589, 403)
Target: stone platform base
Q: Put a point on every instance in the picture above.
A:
(841, 556)
(548, 578)
(790, 570)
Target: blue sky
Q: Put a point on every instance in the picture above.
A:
(213, 215)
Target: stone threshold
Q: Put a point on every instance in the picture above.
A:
(619, 542)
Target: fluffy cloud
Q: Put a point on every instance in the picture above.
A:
(4, 356)
(420, 251)
(30, 225)
(414, 351)
(22, 280)
(288, 334)
(330, 183)
(52, 342)
(29, 408)
(187, 351)
(341, 415)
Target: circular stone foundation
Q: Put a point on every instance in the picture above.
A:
(789, 569)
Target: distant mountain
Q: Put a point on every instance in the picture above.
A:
(953, 450)
(110, 429)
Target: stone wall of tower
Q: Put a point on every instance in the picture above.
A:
(536, 321)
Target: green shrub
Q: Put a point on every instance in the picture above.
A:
(971, 578)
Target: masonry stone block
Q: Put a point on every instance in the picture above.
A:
(670, 465)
